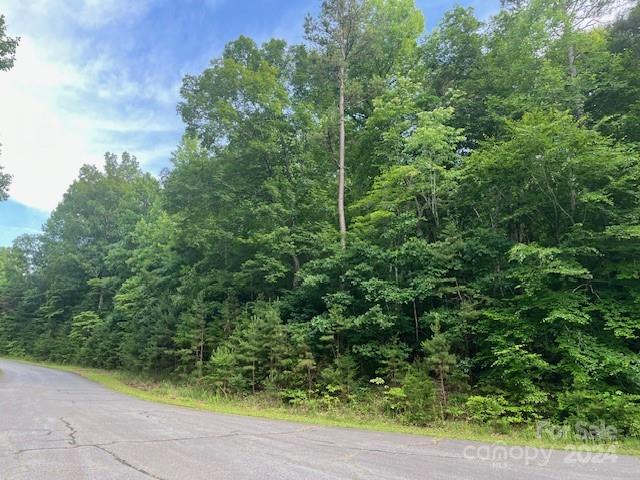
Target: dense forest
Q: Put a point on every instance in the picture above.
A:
(444, 224)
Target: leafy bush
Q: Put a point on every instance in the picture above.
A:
(494, 411)
(604, 410)
(416, 399)
(341, 378)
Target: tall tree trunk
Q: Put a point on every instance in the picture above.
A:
(341, 172)
(416, 323)
(201, 350)
(102, 292)
(443, 395)
(434, 198)
(253, 377)
(573, 70)
(578, 110)
(296, 269)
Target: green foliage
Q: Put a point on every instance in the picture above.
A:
(416, 398)
(341, 377)
(439, 361)
(5, 180)
(491, 272)
(8, 47)
(224, 372)
(616, 411)
(83, 335)
(493, 410)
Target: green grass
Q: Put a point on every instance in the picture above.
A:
(256, 406)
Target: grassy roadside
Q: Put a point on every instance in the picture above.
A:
(197, 398)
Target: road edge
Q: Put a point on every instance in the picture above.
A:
(110, 380)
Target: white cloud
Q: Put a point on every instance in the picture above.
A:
(100, 12)
(39, 148)
(65, 102)
(620, 7)
(87, 13)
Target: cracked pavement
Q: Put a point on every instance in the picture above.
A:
(57, 425)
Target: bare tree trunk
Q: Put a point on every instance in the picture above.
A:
(434, 198)
(201, 349)
(341, 166)
(573, 74)
(416, 323)
(101, 298)
(296, 269)
(573, 70)
(253, 378)
(443, 393)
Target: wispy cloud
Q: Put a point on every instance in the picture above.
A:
(85, 13)
(70, 97)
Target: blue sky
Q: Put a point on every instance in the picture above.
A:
(103, 75)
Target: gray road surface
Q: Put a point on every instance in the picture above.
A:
(56, 425)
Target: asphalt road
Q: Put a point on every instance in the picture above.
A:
(56, 425)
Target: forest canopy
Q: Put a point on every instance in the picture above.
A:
(441, 225)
